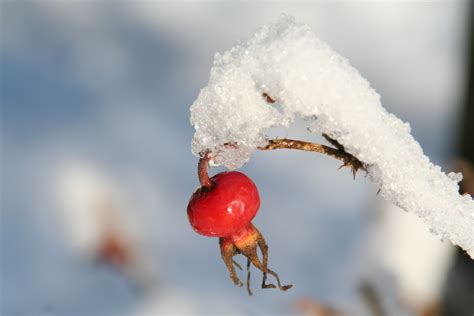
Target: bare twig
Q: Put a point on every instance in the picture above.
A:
(338, 152)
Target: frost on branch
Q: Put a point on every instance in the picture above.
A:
(307, 79)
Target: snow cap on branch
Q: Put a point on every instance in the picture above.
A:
(306, 78)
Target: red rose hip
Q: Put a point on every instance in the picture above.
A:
(224, 207)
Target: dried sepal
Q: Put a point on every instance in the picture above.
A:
(247, 243)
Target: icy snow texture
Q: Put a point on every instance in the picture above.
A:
(308, 79)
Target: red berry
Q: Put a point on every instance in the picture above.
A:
(226, 208)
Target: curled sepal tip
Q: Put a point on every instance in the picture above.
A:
(246, 243)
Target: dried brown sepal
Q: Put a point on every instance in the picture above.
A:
(248, 278)
(237, 264)
(228, 251)
(247, 244)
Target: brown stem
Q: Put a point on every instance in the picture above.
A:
(268, 98)
(338, 152)
(286, 143)
(203, 166)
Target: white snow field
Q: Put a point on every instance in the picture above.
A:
(307, 79)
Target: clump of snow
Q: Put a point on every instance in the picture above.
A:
(308, 79)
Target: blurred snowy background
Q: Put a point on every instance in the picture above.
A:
(97, 169)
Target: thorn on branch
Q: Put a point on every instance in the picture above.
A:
(349, 161)
(333, 142)
(353, 163)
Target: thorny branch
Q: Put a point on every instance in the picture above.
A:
(338, 152)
